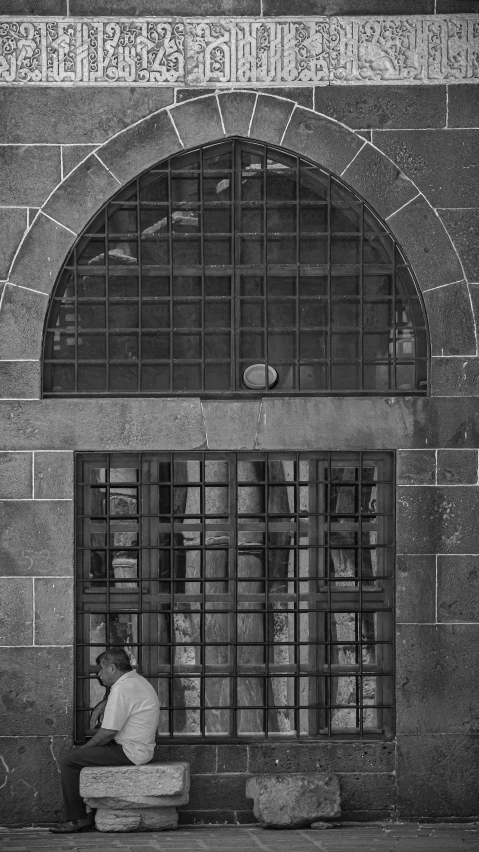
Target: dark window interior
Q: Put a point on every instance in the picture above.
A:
(230, 256)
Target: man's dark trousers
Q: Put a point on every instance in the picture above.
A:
(73, 761)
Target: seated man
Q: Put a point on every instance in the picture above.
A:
(126, 737)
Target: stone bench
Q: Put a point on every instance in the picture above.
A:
(294, 799)
(136, 798)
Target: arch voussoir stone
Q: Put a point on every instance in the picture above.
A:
(376, 179)
(319, 139)
(237, 111)
(198, 121)
(141, 146)
(426, 244)
(270, 119)
(41, 255)
(83, 192)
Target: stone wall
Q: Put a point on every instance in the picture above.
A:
(420, 152)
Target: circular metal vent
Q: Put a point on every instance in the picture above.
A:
(254, 377)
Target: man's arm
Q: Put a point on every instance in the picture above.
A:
(102, 737)
(97, 712)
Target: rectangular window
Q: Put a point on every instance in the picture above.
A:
(254, 590)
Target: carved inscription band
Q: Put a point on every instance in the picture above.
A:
(237, 52)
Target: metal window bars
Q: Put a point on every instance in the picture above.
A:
(254, 590)
(229, 255)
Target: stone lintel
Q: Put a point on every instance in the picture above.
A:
(220, 51)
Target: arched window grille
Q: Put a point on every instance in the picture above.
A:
(230, 268)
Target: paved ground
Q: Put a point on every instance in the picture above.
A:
(387, 837)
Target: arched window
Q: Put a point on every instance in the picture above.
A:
(233, 268)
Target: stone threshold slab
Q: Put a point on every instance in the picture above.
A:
(120, 51)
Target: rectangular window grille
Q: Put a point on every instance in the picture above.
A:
(254, 590)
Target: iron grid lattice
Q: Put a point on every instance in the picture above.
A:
(234, 254)
(254, 590)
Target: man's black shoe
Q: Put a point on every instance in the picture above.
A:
(72, 825)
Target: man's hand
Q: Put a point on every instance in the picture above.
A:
(97, 713)
(102, 737)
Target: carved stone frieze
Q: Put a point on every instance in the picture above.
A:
(223, 51)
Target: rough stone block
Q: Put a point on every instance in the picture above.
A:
(205, 818)
(463, 228)
(53, 611)
(363, 107)
(429, 249)
(438, 776)
(21, 323)
(200, 758)
(165, 7)
(458, 588)
(20, 380)
(28, 174)
(463, 102)
(231, 425)
(377, 793)
(321, 140)
(271, 116)
(15, 476)
(457, 467)
(16, 612)
(416, 467)
(36, 691)
(13, 223)
(349, 7)
(53, 476)
(36, 538)
(437, 520)
(451, 320)
(326, 757)
(437, 673)
(453, 422)
(218, 792)
(70, 114)
(455, 376)
(302, 96)
(82, 194)
(416, 588)
(124, 781)
(237, 109)
(42, 255)
(198, 121)
(232, 758)
(149, 819)
(30, 780)
(292, 801)
(447, 179)
(104, 424)
(379, 182)
(141, 147)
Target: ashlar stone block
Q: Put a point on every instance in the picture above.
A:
(294, 800)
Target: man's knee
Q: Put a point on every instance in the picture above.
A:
(69, 760)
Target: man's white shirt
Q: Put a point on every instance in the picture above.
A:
(133, 710)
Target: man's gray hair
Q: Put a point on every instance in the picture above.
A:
(117, 657)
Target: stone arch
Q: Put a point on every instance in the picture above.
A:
(269, 119)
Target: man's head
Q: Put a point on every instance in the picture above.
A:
(114, 663)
